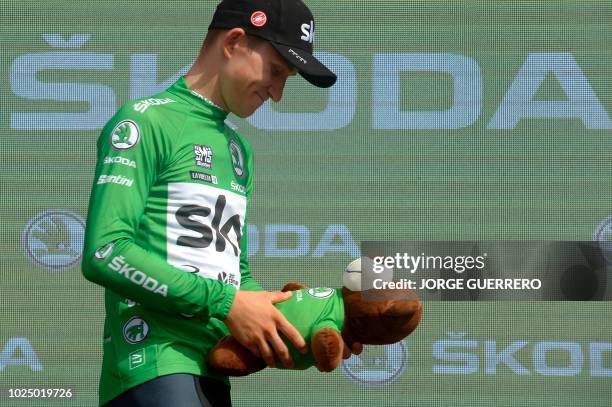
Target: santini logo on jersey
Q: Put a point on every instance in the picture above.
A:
(137, 277)
(145, 104)
(115, 179)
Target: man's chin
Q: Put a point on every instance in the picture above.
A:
(243, 115)
(246, 113)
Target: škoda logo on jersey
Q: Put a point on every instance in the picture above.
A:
(320, 292)
(121, 266)
(125, 135)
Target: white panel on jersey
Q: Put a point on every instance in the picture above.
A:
(204, 225)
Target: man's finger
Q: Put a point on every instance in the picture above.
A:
(266, 354)
(291, 333)
(357, 348)
(281, 351)
(279, 296)
(254, 350)
(346, 352)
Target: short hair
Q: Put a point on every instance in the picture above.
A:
(213, 34)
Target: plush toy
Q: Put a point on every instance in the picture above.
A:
(326, 318)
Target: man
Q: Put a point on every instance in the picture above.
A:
(166, 227)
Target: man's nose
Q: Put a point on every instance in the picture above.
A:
(276, 90)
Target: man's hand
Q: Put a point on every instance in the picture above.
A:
(255, 323)
(356, 349)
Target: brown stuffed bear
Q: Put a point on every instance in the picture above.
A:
(326, 318)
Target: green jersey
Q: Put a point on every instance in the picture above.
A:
(166, 235)
(310, 310)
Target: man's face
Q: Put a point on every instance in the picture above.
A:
(255, 73)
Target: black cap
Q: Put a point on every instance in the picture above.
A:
(287, 24)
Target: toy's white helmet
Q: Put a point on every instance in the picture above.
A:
(352, 275)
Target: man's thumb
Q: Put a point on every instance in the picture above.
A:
(279, 296)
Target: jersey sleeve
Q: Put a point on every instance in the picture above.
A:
(325, 323)
(332, 317)
(247, 282)
(131, 152)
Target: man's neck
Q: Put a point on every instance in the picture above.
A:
(206, 86)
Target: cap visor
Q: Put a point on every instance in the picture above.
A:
(307, 65)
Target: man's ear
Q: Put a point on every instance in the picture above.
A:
(232, 39)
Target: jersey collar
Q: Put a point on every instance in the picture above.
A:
(207, 107)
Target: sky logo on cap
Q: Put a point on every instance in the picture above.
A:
(259, 18)
(308, 31)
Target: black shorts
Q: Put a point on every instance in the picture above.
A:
(179, 389)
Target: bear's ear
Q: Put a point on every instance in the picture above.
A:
(293, 286)
(380, 317)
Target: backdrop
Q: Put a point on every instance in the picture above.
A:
(451, 120)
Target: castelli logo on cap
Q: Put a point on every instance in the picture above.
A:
(259, 18)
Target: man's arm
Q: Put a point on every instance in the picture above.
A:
(131, 153)
(113, 258)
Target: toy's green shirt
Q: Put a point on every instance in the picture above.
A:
(309, 310)
(166, 235)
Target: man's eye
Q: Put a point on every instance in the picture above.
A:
(276, 71)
